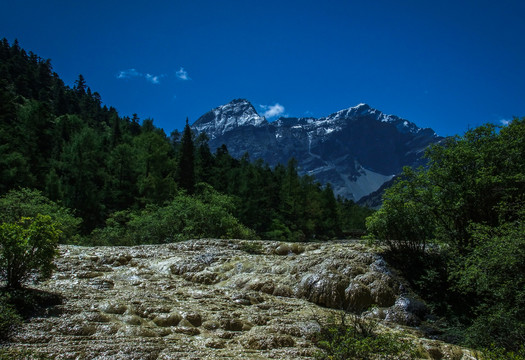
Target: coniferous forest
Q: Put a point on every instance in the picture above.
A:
(126, 181)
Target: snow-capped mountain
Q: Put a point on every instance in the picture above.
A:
(356, 149)
(220, 120)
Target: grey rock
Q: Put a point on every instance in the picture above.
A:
(356, 149)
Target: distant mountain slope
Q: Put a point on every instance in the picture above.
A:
(357, 149)
(375, 198)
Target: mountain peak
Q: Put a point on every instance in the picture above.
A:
(238, 112)
(361, 106)
(352, 112)
(355, 149)
(365, 111)
(240, 101)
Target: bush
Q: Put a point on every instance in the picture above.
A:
(252, 247)
(28, 203)
(497, 353)
(9, 318)
(359, 339)
(205, 215)
(493, 274)
(403, 223)
(27, 249)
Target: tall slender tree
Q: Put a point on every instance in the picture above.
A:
(186, 166)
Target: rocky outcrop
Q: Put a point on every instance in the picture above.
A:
(209, 299)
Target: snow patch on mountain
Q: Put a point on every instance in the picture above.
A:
(227, 117)
(368, 182)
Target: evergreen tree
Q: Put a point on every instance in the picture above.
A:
(83, 177)
(80, 85)
(134, 126)
(329, 223)
(155, 167)
(121, 183)
(204, 160)
(186, 165)
(116, 132)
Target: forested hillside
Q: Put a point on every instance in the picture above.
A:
(118, 174)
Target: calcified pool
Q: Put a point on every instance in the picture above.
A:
(213, 299)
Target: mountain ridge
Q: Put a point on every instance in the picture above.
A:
(356, 149)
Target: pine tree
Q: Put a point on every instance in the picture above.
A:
(80, 85)
(186, 166)
(134, 126)
(204, 159)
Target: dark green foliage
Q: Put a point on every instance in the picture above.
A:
(186, 166)
(329, 223)
(353, 218)
(9, 318)
(468, 202)
(155, 167)
(498, 353)
(205, 215)
(252, 247)
(404, 222)
(356, 338)
(493, 272)
(19, 304)
(17, 204)
(204, 161)
(29, 302)
(27, 248)
(121, 182)
(82, 176)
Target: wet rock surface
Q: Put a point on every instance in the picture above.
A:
(210, 299)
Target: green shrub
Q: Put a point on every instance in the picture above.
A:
(358, 338)
(204, 215)
(493, 274)
(252, 247)
(27, 249)
(498, 353)
(28, 203)
(9, 318)
(278, 231)
(403, 222)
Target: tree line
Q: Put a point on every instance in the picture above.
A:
(81, 154)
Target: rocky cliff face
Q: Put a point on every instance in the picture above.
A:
(229, 117)
(210, 299)
(357, 149)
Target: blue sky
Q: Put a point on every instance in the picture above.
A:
(448, 65)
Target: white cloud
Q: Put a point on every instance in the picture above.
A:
(126, 74)
(133, 73)
(271, 111)
(154, 79)
(505, 122)
(182, 74)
